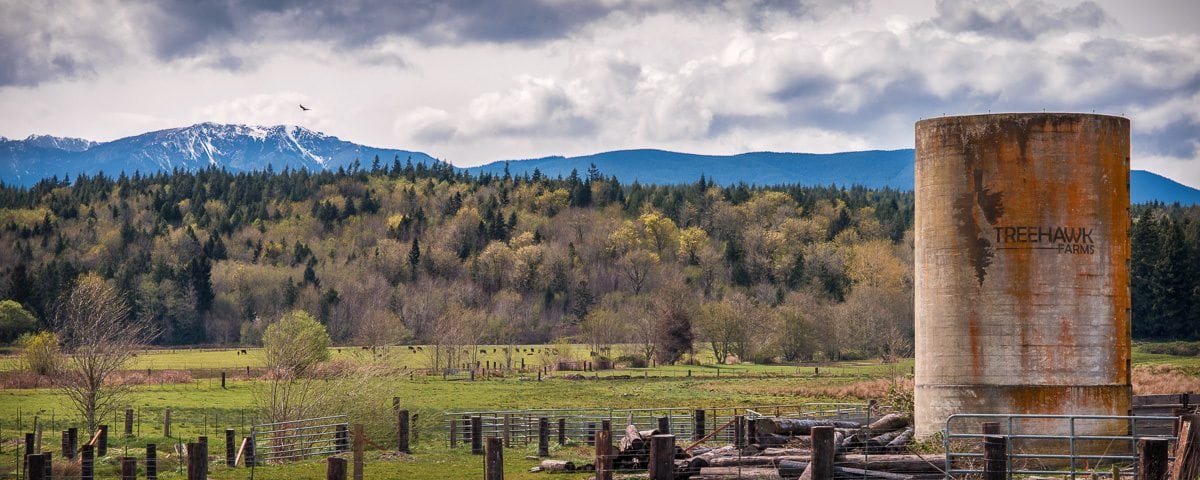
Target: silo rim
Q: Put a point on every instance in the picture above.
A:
(983, 117)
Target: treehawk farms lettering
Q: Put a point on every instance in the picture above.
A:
(1067, 240)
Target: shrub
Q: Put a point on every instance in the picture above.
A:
(633, 361)
(40, 353)
(14, 321)
(1179, 349)
(297, 341)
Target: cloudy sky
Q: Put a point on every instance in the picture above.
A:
(477, 81)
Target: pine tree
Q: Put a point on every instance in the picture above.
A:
(1173, 283)
(414, 256)
(1142, 268)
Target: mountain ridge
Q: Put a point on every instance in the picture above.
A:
(240, 148)
(231, 146)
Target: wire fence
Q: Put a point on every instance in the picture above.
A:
(520, 428)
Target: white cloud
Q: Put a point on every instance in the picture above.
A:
(279, 108)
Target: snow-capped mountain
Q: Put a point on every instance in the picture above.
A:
(62, 143)
(233, 147)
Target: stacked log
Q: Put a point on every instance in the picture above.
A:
(890, 433)
(782, 448)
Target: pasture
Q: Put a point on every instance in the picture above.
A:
(187, 382)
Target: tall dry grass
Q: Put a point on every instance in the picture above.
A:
(1159, 379)
(868, 389)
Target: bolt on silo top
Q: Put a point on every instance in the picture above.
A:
(1022, 276)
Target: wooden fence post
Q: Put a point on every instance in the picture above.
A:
(73, 437)
(739, 431)
(335, 468)
(562, 432)
(664, 425)
(29, 450)
(543, 437)
(1152, 458)
(230, 448)
(508, 430)
(222, 380)
(250, 458)
(87, 462)
(48, 470)
(35, 467)
(167, 423)
(197, 461)
(151, 462)
(128, 422)
(493, 463)
(453, 433)
(102, 441)
(341, 438)
(402, 429)
(358, 451)
(604, 455)
(823, 451)
(129, 468)
(662, 457)
(699, 430)
(66, 446)
(995, 461)
(477, 435)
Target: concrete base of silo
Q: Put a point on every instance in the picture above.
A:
(936, 403)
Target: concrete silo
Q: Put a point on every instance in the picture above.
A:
(1022, 274)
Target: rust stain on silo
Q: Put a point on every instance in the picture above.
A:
(1021, 277)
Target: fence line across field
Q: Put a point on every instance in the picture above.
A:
(520, 427)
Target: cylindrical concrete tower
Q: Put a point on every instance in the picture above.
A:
(1022, 273)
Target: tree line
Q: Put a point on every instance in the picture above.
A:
(429, 254)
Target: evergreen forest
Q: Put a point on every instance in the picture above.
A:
(401, 253)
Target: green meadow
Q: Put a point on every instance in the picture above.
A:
(200, 406)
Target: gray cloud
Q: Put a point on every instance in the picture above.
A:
(176, 29)
(1026, 20)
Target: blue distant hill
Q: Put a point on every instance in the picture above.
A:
(874, 169)
(241, 148)
(1148, 186)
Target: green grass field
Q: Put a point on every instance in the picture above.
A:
(202, 407)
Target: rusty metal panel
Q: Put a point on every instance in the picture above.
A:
(1022, 274)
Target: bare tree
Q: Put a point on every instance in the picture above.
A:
(99, 340)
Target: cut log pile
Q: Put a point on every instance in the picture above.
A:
(890, 433)
(782, 448)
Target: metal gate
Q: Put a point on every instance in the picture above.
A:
(297, 439)
(1051, 444)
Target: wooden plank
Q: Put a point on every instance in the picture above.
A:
(1187, 450)
(1152, 458)
(241, 451)
(95, 438)
(706, 437)
(1174, 399)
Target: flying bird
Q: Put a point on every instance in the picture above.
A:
(302, 107)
